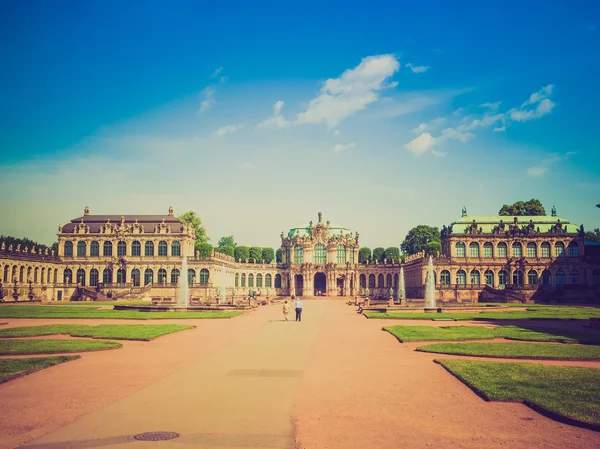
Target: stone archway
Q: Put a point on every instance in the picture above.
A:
(299, 283)
(320, 284)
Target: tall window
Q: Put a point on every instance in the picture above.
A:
(517, 250)
(559, 249)
(237, 279)
(191, 276)
(250, 280)
(121, 248)
(532, 277)
(107, 249)
(352, 255)
(320, 254)
(371, 281)
(287, 255)
(22, 274)
(81, 276)
(162, 248)
(502, 250)
(363, 280)
(259, 280)
(106, 276)
(531, 249)
(488, 250)
(380, 283)
(149, 249)
(475, 278)
(341, 254)
(68, 249)
(388, 280)
(518, 277)
(135, 277)
(545, 249)
(42, 277)
(573, 250)
(81, 247)
(574, 276)
(474, 249)
(93, 277)
(268, 279)
(460, 249)
(175, 249)
(122, 276)
(461, 277)
(162, 276)
(277, 281)
(136, 248)
(243, 284)
(35, 275)
(148, 276)
(298, 254)
(6, 273)
(445, 277)
(502, 278)
(174, 276)
(204, 274)
(94, 249)
(489, 278)
(67, 276)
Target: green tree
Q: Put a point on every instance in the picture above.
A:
(241, 253)
(392, 253)
(27, 243)
(364, 254)
(592, 236)
(192, 220)
(418, 237)
(229, 250)
(531, 207)
(268, 255)
(206, 249)
(255, 254)
(379, 254)
(433, 249)
(278, 256)
(227, 241)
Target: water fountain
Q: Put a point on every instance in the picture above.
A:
(401, 287)
(430, 303)
(184, 288)
(222, 286)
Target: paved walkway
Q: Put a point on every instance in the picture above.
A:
(333, 381)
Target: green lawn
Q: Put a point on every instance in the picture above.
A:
(14, 347)
(11, 368)
(555, 351)
(110, 331)
(456, 333)
(555, 313)
(565, 391)
(92, 311)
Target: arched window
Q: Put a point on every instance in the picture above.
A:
(81, 247)
(81, 276)
(94, 249)
(532, 277)
(174, 276)
(35, 275)
(250, 280)
(55, 278)
(287, 255)
(162, 276)
(277, 281)
(545, 249)
(237, 279)
(149, 276)
(546, 277)
(475, 278)
(573, 249)
(460, 249)
(531, 249)
(502, 250)
(162, 248)
(320, 254)
(67, 276)
(93, 277)
(396, 280)
(6, 273)
(388, 280)
(22, 274)
(259, 280)
(574, 276)
(517, 250)
(191, 276)
(380, 281)
(560, 277)
(518, 277)
(488, 249)
(341, 254)
(474, 249)
(107, 276)
(596, 277)
(352, 255)
(204, 275)
(136, 248)
(502, 278)
(298, 254)
(149, 249)
(243, 283)
(68, 249)
(107, 252)
(14, 273)
(121, 248)
(461, 277)
(135, 276)
(268, 279)
(363, 281)
(371, 281)
(559, 249)
(488, 277)
(42, 277)
(28, 273)
(176, 249)
(445, 277)
(122, 276)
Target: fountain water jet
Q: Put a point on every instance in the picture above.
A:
(430, 303)
(401, 287)
(184, 288)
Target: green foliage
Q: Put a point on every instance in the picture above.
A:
(364, 255)
(53, 346)
(278, 256)
(568, 391)
(379, 254)
(191, 219)
(205, 249)
(11, 368)
(26, 243)
(268, 255)
(592, 236)
(531, 207)
(229, 250)
(255, 254)
(111, 331)
(433, 249)
(241, 253)
(553, 351)
(418, 237)
(392, 253)
(227, 241)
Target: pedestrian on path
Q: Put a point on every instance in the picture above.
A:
(298, 306)
(286, 310)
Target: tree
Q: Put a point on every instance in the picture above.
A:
(27, 243)
(364, 254)
(418, 237)
(241, 253)
(229, 250)
(192, 220)
(592, 236)
(379, 254)
(206, 249)
(255, 254)
(392, 253)
(227, 241)
(268, 255)
(433, 249)
(531, 207)
(278, 256)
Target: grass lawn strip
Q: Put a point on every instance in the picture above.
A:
(14, 347)
(553, 351)
(11, 368)
(566, 393)
(537, 313)
(109, 331)
(69, 311)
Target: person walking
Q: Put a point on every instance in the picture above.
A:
(286, 310)
(298, 306)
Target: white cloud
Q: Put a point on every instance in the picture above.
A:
(209, 99)
(419, 129)
(336, 132)
(223, 79)
(500, 129)
(216, 72)
(227, 129)
(542, 168)
(421, 144)
(535, 107)
(437, 153)
(453, 133)
(438, 121)
(537, 171)
(352, 92)
(277, 108)
(341, 147)
(417, 68)
(277, 120)
(492, 106)
(458, 111)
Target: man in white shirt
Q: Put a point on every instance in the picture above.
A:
(298, 305)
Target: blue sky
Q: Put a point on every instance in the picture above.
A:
(258, 115)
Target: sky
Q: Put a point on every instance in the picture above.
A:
(259, 115)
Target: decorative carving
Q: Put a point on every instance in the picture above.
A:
(464, 212)
(86, 211)
(553, 211)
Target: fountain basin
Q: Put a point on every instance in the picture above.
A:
(180, 307)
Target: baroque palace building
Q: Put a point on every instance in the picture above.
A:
(128, 257)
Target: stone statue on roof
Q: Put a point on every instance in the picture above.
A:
(553, 211)
(320, 216)
(464, 212)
